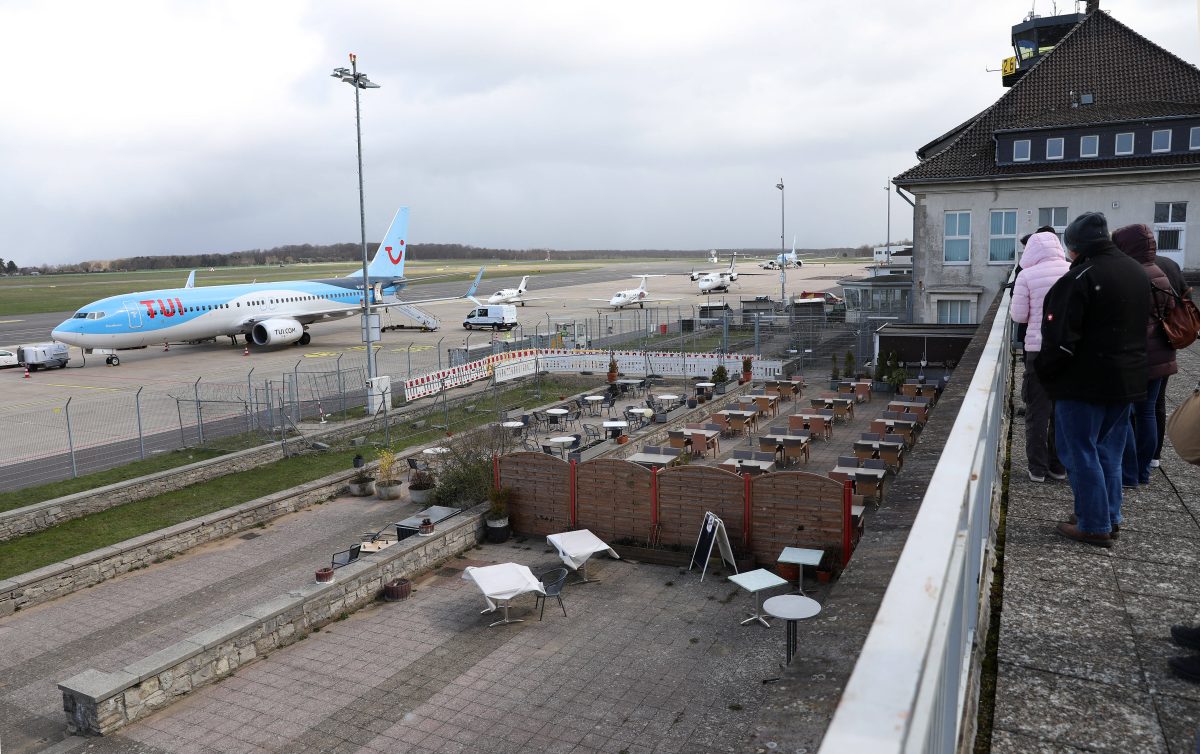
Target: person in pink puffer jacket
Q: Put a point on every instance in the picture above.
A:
(1042, 264)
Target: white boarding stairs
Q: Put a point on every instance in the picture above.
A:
(423, 318)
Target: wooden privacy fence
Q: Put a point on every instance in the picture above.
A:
(621, 500)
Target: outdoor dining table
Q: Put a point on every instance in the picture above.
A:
(755, 582)
(500, 584)
(746, 417)
(651, 459)
(748, 466)
(786, 443)
(575, 548)
(593, 403)
(877, 445)
(515, 426)
(791, 608)
(562, 442)
(705, 387)
(615, 426)
(556, 414)
(667, 398)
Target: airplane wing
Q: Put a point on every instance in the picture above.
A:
(605, 300)
(469, 294)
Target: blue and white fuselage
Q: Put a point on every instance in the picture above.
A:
(266, 313)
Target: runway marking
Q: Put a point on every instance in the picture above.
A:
(320, 354)
(10, 321)
(85, 387)
(414, 348)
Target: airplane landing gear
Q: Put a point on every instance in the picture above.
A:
(112, 361)
(305, 339)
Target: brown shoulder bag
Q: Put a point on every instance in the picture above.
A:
(1182, 321)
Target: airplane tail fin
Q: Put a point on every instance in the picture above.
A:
(521, 287)
(191, 281)
(389, 258)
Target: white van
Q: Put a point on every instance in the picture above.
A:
(496, 316)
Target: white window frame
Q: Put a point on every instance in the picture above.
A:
(1172, 224)
(966, 301)
(1002, 236)
(1194, 138)
(1154, 135)
(1117, 141)
(947, 238)
(1028, 150)
(1059, 229)
(1062, 148)
(1095, 151)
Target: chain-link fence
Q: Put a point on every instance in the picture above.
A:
(52, 441)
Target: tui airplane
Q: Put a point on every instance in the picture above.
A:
(267, 314)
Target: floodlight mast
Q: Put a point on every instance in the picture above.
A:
(360, 81)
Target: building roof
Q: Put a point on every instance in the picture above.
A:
(1123, 71)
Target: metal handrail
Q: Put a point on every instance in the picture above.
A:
(908, 688)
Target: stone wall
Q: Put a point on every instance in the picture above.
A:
(82, 571)
(99, 703)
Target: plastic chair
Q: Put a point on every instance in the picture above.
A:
(552, 583)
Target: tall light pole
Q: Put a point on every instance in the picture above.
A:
(887, 187)
(360, 81)
(782, 251)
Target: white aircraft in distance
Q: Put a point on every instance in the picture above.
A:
(512, 295)
(719, 281)
(267, 314)
(638, 295)
(712, 257)
(783, 261)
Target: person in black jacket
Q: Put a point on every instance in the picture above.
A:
(1093, 365)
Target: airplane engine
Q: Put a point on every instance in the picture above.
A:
(277, 332)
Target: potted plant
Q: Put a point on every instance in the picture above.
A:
(397, 589)
(849, 365)
(612, 368)
(387, 486)
(496, 518)
(834, 373)
(747, 364)
(425, 529)
(324, 575)
(362, 484)
(420, 487)
(719, 377)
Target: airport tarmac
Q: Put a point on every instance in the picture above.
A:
(102, 406)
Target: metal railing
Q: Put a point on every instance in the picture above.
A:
(908, 689)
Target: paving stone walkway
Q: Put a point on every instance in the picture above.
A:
(1084, 632)
(134, 615)
(647, 660)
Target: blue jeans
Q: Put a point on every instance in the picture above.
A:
(1141, 439)
(1090, 438)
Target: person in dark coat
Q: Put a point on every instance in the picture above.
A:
(1137, 241)
(1093, 365)
(1180, 286)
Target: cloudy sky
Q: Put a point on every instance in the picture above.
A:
(133, 127)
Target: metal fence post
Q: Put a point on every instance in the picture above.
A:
(250, 398)
(341, 385)
(70, 440)
(296, 388)
(137, 405)
(409, 355)
(757, 342)
(199, 415)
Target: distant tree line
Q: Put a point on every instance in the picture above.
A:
(352, 252)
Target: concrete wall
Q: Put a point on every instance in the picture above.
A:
(1133, 195)
(98, 702)
(91, 568)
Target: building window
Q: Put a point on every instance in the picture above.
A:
(1055, 217)
(954, 312)
(1089, 146)
(1160, 141)
(1002, 242)
(956, 240)
(1170, 222)
(1021, 150)
(1054, 149)
(1124, 143)
(1194, 138)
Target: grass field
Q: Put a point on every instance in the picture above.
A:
(57, 293)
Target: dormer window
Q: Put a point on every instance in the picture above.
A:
(1160, 141)
(1054, 149)
(1021, 150)
(1089, 146)
(1194, 138)
(1124, 143)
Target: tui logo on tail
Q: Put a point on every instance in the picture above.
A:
(399, 256)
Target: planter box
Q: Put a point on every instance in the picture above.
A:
(420, 497)
(654, 555)
(388, 491)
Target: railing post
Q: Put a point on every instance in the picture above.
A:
(137, 405)
(653, 505)
(341, 386)
(574, 492)
(70, 440)
(179, 413)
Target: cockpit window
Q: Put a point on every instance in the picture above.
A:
(95, 315)
(80, 315)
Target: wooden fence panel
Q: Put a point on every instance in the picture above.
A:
(796, 509)
(541, 485)
(613, 499)
(686, 492)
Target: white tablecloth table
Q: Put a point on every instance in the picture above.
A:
(501, 583)
(577, 547)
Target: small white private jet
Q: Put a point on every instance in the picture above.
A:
(512, 295)
(638, 295)
(720, 280)
(783, 261)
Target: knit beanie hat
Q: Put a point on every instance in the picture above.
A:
(1088, 227)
